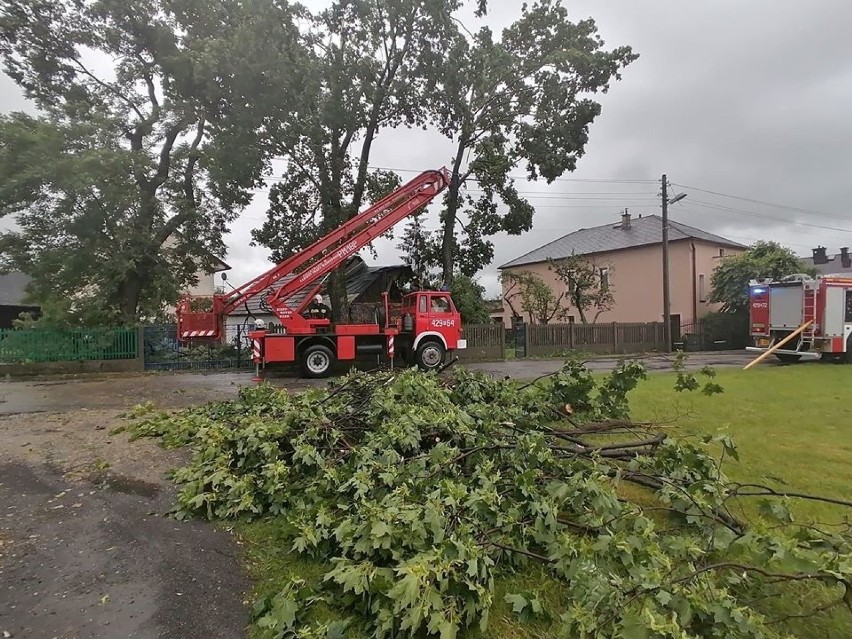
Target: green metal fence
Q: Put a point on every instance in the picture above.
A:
(47, 345)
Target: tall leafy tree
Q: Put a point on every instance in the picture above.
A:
(526, 292)
(729, 281)
(153, 127)
(587, 285)
(522, 98)
(417, 247)
(469, 298)
(370, 64)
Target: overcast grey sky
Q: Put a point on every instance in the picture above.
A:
(749, 97)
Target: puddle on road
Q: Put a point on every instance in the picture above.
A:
(126, 485)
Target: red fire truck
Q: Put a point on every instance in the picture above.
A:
(425, 329)
(778, 308)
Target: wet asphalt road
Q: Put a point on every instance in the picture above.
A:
(169, 390)
(98, 559)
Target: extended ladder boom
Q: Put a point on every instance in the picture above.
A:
(332, 250)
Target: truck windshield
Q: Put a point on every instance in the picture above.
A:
(440, 304)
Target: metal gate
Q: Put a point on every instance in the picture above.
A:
(164, 352)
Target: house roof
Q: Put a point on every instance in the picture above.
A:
(832, 267)
(642, 231)
(13, 288)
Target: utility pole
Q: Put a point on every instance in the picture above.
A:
(667, 308)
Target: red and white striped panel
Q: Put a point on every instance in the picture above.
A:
(198, 333)
(390, 346)
(255, 350)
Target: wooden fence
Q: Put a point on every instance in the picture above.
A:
(557, 339)
(484, 342)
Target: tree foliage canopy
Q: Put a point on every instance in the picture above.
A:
(469, 298)
(729, 281)
(524, 97)
(587, 283)
(369, 66)
(148, 141)
(526, 292)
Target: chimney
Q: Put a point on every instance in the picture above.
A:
(820, 256)
(625, 220)
(845, 260)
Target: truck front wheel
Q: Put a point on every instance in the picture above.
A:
(317, 361)
(430, 355)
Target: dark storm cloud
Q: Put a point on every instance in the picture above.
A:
(749, 97)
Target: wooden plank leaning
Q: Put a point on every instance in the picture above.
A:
(769, 352)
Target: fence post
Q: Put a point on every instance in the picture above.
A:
(501, 333)
(140, 348)
(519, 332)
(615, 338)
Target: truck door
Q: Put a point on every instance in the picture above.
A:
(835, 310)
(847, 327)
(435, 314)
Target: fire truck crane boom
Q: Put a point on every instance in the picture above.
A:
(330, 251)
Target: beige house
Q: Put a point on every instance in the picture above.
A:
(629, 254)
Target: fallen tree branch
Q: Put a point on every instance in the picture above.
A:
(767, 491)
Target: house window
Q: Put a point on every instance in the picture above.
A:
(721, 252)
(604, 279)
(569, 285)
(702, 297)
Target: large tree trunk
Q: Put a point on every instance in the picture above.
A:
(129, 292)
(448, 241)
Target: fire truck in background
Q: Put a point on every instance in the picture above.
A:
(426, 330)
(778, 308)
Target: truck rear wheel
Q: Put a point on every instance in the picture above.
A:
(317, 361)
(430, 355)
(848, 353)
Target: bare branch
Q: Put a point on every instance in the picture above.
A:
(729, 565)
(111, 89)
(166, 152)
(766, 491)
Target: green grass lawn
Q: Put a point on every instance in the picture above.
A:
(792, 423)
(789, 422)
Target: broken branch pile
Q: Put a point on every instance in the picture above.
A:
(418, 492)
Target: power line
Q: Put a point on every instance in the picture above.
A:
(749, 239)
(616, 196)
(572, 193)
(543, 206)
(721, 207)
(764, 203)
(513, 177)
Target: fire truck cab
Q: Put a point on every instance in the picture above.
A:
(778, 308)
